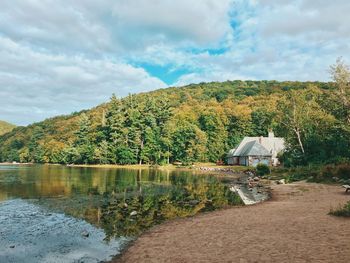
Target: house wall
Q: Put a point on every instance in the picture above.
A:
(243, 161)
(232, 161)
(255, 160)
(251, 160)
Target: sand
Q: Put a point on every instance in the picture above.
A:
(294, 226)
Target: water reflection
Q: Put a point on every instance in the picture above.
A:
(123, 202)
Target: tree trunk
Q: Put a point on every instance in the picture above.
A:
(297, 132)
(141, 147)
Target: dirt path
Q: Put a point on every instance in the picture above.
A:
(292, 227)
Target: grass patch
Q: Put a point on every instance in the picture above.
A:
(341, 210)
(314, 173)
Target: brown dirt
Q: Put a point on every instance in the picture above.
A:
(292, 227)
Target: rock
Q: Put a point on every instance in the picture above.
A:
(335, 178)
(12, 246)
(125, 205)
(233, 189)
(256, 178)
(282, 181)
(85, 233)
(133, 213)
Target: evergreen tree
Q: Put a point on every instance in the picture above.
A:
(83, 142)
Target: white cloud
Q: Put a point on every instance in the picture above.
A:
(60, 56)
(40, 85)
(114, 26)
(201, 22)
(282, 40)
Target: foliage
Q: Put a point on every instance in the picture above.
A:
(331, 173)
(262, 169)
(6, 127)
(194, 123)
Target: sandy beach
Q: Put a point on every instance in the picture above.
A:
(294, 226)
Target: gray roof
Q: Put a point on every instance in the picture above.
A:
(254, 148)
(273, 145)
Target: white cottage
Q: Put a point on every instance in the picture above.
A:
(254, 150)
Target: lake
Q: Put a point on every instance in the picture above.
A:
(51, 213)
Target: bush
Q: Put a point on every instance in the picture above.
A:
(342, 211)
(343, 171)
(262, 169)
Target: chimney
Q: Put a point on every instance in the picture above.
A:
(271, 134)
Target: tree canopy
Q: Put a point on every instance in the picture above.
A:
(195, 123)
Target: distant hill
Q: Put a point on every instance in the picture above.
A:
(198, 122)
(6, 127)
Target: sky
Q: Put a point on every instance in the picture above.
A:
(61, 56)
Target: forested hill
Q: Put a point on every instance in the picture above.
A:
(194, 123)
(5, 127)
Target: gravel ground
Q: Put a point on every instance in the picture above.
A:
(294, 226)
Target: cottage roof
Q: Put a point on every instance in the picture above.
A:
(254, 148)
(273, 145)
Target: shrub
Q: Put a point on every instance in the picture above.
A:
(343, 171)
(342, 211)
(262, 169)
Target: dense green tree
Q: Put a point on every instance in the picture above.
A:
(340, 73)
(198, 122)
(102, 153)
(304, 124)
(188, 143)
(262, 122)
(83, 143)
(216, 134)
(36, 151)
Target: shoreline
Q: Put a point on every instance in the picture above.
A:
(271, 231)
(198, 167)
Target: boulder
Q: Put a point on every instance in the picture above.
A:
(282, 181)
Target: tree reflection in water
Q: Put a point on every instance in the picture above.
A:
(124, 202)
(142, 207)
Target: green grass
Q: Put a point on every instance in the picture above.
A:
(339, 173)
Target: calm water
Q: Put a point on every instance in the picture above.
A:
(109, 206)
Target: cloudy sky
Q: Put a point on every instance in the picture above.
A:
(60, 56)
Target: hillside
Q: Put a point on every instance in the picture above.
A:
(193, 123)
(6, 127)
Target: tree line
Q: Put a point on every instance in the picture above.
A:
(196, 123)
